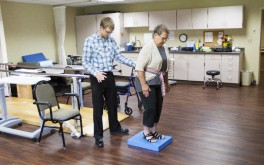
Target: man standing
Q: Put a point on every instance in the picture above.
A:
(99, 52)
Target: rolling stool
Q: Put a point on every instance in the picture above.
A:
(213, 73)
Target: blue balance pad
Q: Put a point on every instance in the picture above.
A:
(139, 141)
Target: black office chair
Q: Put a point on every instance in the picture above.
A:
(213, 79)
(49, 108)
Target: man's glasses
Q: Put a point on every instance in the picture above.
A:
(108, 32)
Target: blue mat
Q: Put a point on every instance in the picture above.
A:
(139, 141)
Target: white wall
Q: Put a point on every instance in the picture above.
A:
(28, 29)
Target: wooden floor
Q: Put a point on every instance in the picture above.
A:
(209, 127)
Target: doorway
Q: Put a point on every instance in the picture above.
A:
(261, 76)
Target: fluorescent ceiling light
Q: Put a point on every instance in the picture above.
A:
(111, 0)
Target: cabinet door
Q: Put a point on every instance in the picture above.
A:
(85, 26)
(234, 17)
(230, 69)
(155, 18)
(129, 20)
(169, 19)
(136, 19)
(215, 17)
(196, 67)
(225, 17)
(180, 67)
(212, 62)
(184, 19)
(199, 18)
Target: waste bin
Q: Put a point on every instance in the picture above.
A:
(246, 78)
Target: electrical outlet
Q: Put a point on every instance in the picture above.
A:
(249, 40)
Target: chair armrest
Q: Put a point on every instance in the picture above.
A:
(70, 94)
(42, 103)
(75, 95)
(48, 105)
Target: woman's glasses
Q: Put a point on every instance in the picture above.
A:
(164, 38)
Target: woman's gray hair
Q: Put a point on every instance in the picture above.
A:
(159, 29)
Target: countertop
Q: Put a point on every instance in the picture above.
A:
(190, 52)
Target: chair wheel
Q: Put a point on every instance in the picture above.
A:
(128, 110)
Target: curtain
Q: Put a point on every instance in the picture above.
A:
(3, 53)
(60, 25)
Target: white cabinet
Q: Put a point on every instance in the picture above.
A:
(230, 72)
(193, 67)
(225, 17)
(196, 67)
(180, 67)
(184, 19)
(234, 17)
(136, 19)
(229, 66)
(188, 67)
(85, 26)
(167, 18)
(212, 62)
(199, 18)
(192, 19)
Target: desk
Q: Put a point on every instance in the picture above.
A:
(25, 91)
(23, 83)
(6, 121)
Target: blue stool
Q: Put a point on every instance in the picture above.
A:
(212, 79)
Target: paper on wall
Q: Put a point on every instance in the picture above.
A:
(208, 37)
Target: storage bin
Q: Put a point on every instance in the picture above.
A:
(246, 78)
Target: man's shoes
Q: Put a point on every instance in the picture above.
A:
(122, 131)
(99, 143)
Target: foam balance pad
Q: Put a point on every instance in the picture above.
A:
(139, 141)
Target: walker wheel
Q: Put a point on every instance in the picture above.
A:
(140, 105)
(128, 110)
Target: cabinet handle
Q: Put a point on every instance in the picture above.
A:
(230, 63)
(230, 69)
(229, 77)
